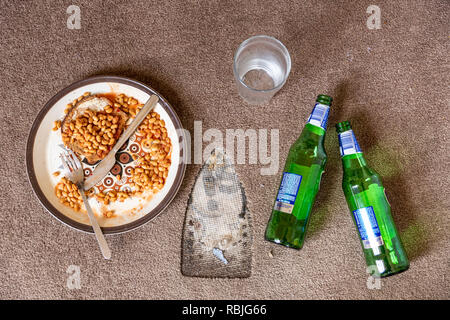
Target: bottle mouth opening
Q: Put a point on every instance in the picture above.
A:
(343, 126)
(324, 99)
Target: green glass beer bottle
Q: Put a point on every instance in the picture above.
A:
(370, 208)
(300, 181)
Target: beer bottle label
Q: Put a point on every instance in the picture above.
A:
(348, 143)
(298, 188)
(367, 225)
(288, 192)
(319, 115)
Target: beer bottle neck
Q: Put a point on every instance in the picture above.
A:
(347, 143)
(350, 151)
(312, 129)
(353, 161)
(319, 116)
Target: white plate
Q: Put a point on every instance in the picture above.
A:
(44, 146)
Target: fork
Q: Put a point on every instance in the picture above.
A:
(75, 173)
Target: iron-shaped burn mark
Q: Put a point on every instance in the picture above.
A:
(208, 184)
(212, 205)
(218, 203)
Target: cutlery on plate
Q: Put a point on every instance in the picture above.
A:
(102, 169)
(75, 173)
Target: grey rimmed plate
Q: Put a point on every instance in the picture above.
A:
(44, 146)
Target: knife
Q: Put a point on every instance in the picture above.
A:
(102, 169)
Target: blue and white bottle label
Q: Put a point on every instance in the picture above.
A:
(319, 115)
(348, 143)
(288, 192)
(367, 225)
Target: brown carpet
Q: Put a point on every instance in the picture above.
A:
(391, 83)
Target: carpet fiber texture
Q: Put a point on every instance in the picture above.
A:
(391, 83)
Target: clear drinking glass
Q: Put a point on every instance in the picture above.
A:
(261, 67)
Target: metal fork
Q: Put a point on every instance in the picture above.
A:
(75, 173)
